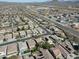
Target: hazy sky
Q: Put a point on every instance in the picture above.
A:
(32, 0)
(24, 0)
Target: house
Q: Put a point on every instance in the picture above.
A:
(56, 53)
(12, 49)
(22, 34)
(31, 43)
(1, 38)
(3, 51)
(26, 27)
(29, 33)
(15, 35)
(8, 36)
(46, 53)
(22, 46)
(39, 40)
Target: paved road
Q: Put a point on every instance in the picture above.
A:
(37, 22)
(22, 39)
(59, 25)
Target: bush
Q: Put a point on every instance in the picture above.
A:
(26, 51)
(34, 50)
(46, 45)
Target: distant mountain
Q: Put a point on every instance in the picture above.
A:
(68, 0)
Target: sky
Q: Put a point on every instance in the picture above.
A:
(24, 0)
(31, 0)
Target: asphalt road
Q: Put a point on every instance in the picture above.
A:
(21, 39)
(70, 31)
(59, 25)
